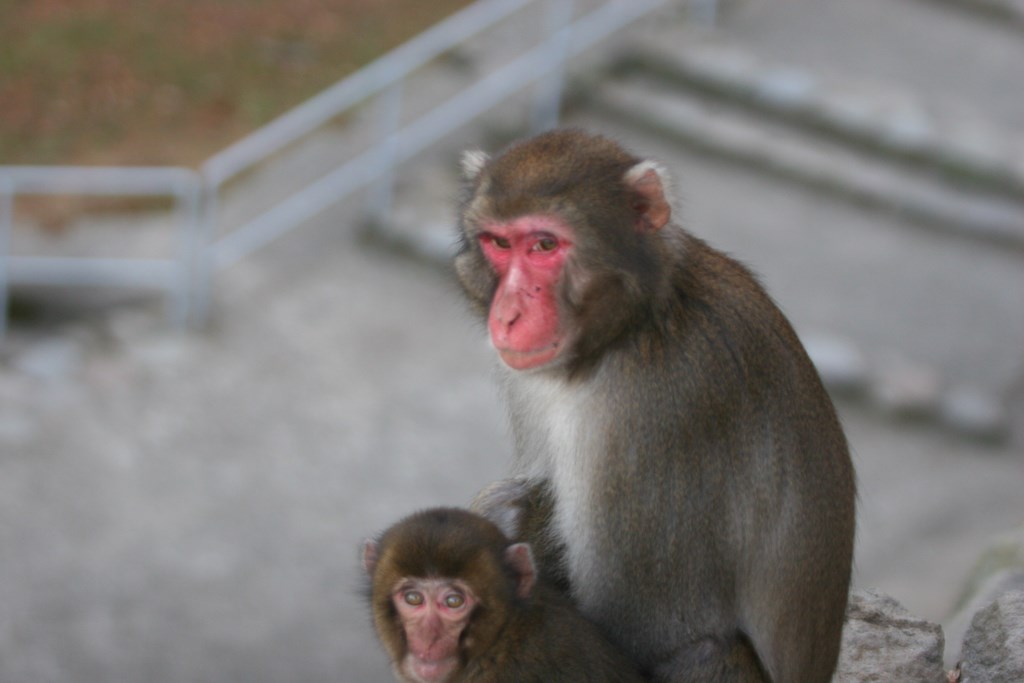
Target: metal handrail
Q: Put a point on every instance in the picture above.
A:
(201, 251)
(416, 136)
(365, 83)
(109, 180)
(173, 275)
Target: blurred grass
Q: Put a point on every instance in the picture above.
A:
(174, 81)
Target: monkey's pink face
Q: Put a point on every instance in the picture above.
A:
(527, 253)
(433, 612)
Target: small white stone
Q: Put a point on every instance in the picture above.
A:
(904, 389)
(786, 87)
(974, 413)
(841, 365)
(53, 359)
(907, 129)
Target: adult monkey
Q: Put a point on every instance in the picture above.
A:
(681, 470)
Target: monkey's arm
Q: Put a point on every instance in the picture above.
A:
(523, 509)
(506, 503)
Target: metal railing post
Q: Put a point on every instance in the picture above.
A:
(207, 210)
(186, 210)
(6, 221)
(547, 98)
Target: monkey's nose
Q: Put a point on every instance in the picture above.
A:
(507, 312)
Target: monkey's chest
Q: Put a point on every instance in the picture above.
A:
(566, 435)
(574, 449)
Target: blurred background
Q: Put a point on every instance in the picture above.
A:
(233, 347)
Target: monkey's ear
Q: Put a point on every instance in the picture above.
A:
(369, 556)
(650, 184)
(473, 161)
(520, 557)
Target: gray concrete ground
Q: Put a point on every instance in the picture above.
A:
(188, 507)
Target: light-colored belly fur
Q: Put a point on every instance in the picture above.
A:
(565, 440)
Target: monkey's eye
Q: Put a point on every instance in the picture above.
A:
(414, 598)
(455, 600)
(546, 244)
(497, 242)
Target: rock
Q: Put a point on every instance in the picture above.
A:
(883, 642)
(994, 647)
(995, 585)
(975, 414)
(1000, 568)
(906, 390)
(50, 360)
(126, 326)
(841, 365)
(907, 130)
(726, 67)
(848, 112)
(786, 88)
(164, 353)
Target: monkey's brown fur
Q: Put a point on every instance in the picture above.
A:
(541, 638)
(681, 468)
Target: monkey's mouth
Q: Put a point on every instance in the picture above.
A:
(428, 672)
(533, 358)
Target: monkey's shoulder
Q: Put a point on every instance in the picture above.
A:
(717, 301)
(703, 277)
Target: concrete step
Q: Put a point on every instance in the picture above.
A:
(965, 148)
(1005, 12)
(717, 127)
(956, 64)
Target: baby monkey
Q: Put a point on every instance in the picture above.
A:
(455, 602)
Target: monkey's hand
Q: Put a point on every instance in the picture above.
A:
(523, 509)
(507, 503)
